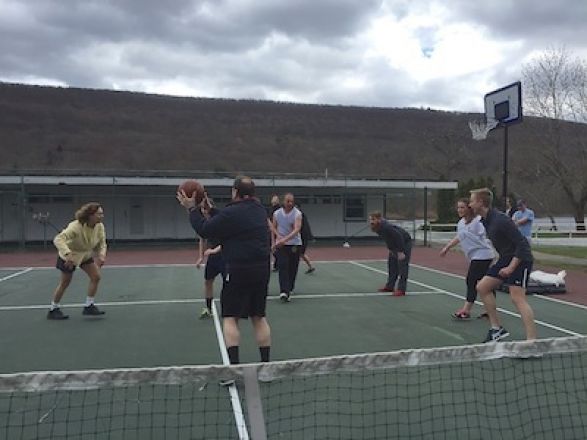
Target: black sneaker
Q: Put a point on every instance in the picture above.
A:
(494, 335)
(56, 314)
(310, 270)
(92, 310)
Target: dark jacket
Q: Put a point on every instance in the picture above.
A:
(397, 239)
(505, 236)
(306, 231)
(241, 227)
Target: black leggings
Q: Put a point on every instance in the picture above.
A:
(477, 270)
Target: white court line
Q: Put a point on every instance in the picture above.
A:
(234, 397)
(537, 295)
(346, 295)
(543, 297)
(148, 266)
(194, 301)
(446, 292)
(107, 304)
(7, 277)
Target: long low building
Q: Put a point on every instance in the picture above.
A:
(33, 207)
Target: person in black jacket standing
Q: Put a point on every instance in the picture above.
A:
(307, 236)
(513, 266)
(242, 229)
(399, 243)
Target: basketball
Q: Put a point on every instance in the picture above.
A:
(190, 187)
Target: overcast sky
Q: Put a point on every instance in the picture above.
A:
(443, 54)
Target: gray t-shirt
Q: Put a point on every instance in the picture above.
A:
(286, 223)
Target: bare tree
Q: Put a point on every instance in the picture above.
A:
(447, 154)
(555, 88)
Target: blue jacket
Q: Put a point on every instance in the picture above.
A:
(242, 229)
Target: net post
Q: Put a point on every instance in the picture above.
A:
(254, 404)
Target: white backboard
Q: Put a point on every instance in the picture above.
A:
(505, 104)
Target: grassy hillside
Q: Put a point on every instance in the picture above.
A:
(96, 131)
(57, 128)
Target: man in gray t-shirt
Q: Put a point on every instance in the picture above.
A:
(287, 223)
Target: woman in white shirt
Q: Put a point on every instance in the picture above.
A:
(476, 247)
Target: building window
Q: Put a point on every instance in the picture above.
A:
(355, 208)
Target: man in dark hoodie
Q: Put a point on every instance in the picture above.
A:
(513, 266)
(399, 243)
(242, 230)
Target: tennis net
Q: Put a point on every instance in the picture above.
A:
(510, 390)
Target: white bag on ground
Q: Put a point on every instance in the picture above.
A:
(557, 279)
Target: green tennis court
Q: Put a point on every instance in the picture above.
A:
(152, 311)
(151, 321)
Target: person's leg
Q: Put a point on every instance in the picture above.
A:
(208, 297)
(518, 295)
(274, 254)
(294, 264)
(308, 263)
(262, 336)
(477, 270)
(471, 289)
(61, 287)
(55, 310)
(403, 270)
(283, 268)
(485, 289)
(231, 338)
(392, 271)
(214, 267)
(304, 257)
(93, 272)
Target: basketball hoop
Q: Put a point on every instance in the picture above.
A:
(480, 128)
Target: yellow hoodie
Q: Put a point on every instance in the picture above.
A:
(78, 242)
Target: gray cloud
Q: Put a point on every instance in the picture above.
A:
(299, 50)
(538, 23)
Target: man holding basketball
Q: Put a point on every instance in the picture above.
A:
(243, 232)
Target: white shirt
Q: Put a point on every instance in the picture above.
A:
(473, 240)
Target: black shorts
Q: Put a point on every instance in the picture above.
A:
(519, 277)
(244, 291)
(214, 266)
(61, 265)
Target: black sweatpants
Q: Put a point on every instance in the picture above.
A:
(288, 260)
(477, 270)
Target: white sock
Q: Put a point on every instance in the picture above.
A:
(495, 328)
(89, 301)
(54, 305)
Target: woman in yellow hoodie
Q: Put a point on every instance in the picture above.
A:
(82, 243)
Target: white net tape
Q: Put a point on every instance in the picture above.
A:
(480, 128)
